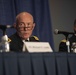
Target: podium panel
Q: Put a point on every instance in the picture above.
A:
(37, 63)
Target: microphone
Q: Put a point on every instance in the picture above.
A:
(62, 32)
(3, 27)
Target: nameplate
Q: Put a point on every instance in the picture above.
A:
(38, 47)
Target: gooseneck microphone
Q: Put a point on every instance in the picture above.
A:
(66, 35)
(62, 32)
(4, 27)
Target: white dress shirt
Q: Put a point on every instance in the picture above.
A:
(24, 46)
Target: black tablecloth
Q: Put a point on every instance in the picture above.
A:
(37, 63)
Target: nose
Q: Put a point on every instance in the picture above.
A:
(25, 29)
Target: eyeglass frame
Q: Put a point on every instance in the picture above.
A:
(29, 25)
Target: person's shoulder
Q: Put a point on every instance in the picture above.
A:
(64, 40)
(14, 37)
(62, 46)
(34, 38)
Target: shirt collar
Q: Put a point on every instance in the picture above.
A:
(26, 39)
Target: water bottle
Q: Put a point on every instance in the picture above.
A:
(4, 44)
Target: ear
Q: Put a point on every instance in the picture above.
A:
(33, 25)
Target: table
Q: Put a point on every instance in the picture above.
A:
(37, 63)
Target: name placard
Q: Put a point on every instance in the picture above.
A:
(38, 47)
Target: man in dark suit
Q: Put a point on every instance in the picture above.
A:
(24, 26)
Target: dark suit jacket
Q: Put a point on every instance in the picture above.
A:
(63, 47)
(16, 43)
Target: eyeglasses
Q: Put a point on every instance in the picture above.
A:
(27, 26)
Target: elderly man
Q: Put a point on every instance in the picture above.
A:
(24, 27)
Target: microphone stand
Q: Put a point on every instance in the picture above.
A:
(67, 43)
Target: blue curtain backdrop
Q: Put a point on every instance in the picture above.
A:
(38, 8)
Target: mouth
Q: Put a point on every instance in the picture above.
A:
(24, 33)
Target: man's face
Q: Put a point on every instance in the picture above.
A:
(25, 26)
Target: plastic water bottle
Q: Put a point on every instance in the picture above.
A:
(4, 44)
